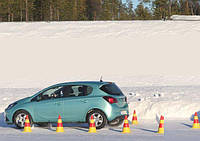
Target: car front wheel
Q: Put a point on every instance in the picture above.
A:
(20, 117)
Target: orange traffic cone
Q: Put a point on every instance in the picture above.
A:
(196, 121)
(134, 119)
(126, 128)
(161, 125)
(92, 127)
(59, 125)
(27, 127)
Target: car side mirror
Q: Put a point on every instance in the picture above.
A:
(38, 99)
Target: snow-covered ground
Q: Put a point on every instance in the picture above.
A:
(145, 131)
(154, 62)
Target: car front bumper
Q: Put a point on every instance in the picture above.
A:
(6, 118)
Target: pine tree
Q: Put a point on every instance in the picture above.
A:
(3, 10)
(169, 8)
(75, 10)
(160, 9)
(93, 7)
(187, 10)
(82, 10)
(130, 9)
(106, 13)
(142, 13)
(175, 8)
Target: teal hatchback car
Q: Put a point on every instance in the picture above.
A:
(74, 101)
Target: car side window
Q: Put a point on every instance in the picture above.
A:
(76, 90)
(51, 93)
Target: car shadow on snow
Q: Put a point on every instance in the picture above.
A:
(81, 129)
(188, 125)
(153, 131)
(77, 126)
(115, 130)
(82, 125)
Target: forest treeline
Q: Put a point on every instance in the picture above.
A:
(80, 10)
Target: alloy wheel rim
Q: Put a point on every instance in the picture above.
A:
(98, 119)
(20, 119)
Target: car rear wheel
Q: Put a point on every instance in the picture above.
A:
(20, 117)
(99, 118)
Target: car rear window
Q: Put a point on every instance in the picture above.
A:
(111, 89)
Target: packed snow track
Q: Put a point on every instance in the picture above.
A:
(145, 131)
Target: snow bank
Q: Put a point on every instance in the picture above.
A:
(170, 109)
(172, 102)
(185, 18)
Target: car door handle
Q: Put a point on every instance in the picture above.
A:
(57, 103)
(84, 101)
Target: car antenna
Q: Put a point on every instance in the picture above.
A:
(101, 79)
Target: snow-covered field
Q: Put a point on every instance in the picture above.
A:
(154, 62)
(131, 53)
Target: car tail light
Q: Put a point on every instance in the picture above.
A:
(109, 99)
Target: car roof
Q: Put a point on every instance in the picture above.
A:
(94, 83)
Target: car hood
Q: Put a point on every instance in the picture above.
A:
(24, 100)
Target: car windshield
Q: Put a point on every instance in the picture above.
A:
(111, 89)
(51, 91)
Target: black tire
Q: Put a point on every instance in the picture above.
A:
(116, 122)
(23, 114)
(99, 125)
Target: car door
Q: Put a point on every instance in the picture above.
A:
(76, 103)
(48, 105)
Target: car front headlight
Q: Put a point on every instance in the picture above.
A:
(10, 106)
